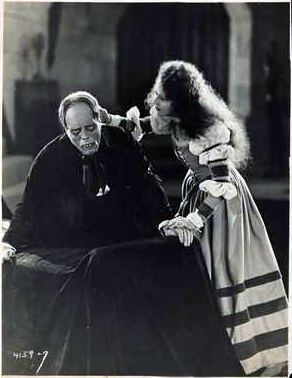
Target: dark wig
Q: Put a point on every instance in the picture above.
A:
(197, 105)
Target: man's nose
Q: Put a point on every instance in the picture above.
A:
(84, 134)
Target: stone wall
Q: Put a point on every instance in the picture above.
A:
(86, 50)
(22, 21)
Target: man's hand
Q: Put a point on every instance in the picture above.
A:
(7, 252)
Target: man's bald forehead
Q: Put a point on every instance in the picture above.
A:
(78, 110)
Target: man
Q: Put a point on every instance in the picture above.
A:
(90, 186)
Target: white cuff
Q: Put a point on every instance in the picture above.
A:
(196, 219)
(226, 190)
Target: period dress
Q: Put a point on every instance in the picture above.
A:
(237, 252)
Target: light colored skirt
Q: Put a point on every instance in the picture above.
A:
(248, 284)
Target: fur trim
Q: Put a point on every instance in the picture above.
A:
(218, 133)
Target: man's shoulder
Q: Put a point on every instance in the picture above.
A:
(52, 148)
(51, 159)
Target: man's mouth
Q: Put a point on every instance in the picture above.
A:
(88, 145)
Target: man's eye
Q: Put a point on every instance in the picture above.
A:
(90, 128)
(75, 132)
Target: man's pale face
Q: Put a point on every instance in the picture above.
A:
(82, 128)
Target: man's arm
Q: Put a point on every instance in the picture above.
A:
(22, 230)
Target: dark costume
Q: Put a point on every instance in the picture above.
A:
(81, 298)
(61, 209)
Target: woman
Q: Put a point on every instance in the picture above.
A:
(218, 209)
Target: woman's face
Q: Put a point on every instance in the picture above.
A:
(162, 105)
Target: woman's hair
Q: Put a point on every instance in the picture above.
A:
(74, 98)
(197, 105)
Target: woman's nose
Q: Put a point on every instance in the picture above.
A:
(156, 100)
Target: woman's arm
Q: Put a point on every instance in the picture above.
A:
(131, 123)
(219, 188)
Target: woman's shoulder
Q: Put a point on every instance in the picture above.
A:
(214, 144)
(213, 136)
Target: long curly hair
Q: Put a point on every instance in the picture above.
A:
(197, 105)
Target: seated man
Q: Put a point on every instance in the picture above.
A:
(90, 186)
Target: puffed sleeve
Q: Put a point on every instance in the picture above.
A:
(219, 187)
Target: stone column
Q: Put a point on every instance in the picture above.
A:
(239, 91)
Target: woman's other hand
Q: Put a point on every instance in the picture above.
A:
(104, 116)
(133, 116)
(186, 236)
(7, 252)
(192, 222)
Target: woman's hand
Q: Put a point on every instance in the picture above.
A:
(180, 222)
(185, 235)
(192, 222)
(104, 116)
(133, 115)
(7, 252)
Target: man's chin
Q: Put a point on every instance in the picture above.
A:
(89, 151)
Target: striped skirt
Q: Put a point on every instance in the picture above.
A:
(244, 271)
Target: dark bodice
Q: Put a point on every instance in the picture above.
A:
(201, 172)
